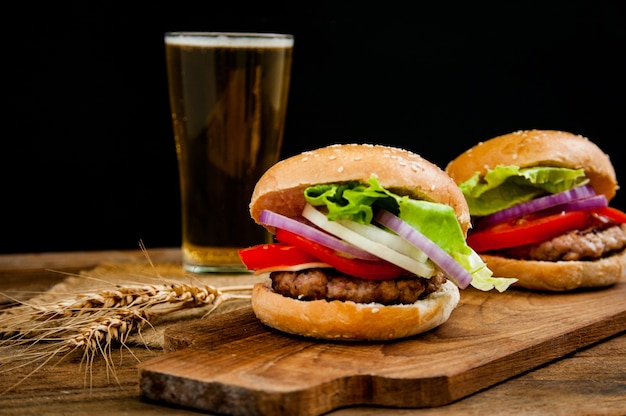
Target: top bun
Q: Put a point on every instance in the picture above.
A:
(281, 188)
(526, 148)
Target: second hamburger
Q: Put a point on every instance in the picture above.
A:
(539, 203)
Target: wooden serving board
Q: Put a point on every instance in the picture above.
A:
(233, 364)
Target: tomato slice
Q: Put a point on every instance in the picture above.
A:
(365, 269)
(526, 230)
(264, 256)
(611, 213)
(534, 228)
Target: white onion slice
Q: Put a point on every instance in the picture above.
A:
(419, 268)
(274, 219)
(393, 241)
(539, 204)
(440, 257)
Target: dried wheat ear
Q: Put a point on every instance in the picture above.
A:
(94, 323)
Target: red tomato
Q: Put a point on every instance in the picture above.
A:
(264, 256)
(611, 213)
(534, 228)
(365, 269)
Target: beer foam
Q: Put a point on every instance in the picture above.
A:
(231, 40)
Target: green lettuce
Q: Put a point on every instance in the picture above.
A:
(505, 186)
(358, 202)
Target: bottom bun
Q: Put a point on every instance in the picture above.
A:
(346, 320)
(559, 275)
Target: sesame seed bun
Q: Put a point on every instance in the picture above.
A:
(560, 275)
(526, 148)
(281, 188)
(350, 321)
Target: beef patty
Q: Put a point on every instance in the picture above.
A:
(590, 244)
(330, 284)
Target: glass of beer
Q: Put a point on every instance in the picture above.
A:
(228, 97)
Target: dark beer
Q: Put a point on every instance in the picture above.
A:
(228, 96)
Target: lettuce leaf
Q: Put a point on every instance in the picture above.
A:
(438, 222)
(505, 186)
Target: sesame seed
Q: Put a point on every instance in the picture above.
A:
(340, 169)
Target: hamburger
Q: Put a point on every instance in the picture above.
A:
(369, 245)
(539, 206)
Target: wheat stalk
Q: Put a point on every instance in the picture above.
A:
(95, 322)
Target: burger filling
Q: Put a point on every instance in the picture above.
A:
(330, 284)
(589, 244)
(542, 214)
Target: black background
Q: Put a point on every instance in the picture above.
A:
(88, 159)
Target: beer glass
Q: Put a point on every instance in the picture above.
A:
(228, 99)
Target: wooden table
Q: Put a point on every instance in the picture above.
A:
(590, 381)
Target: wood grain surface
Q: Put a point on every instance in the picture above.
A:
(233, 364)
(588, 381)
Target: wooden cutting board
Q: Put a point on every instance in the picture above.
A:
(233, 364)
